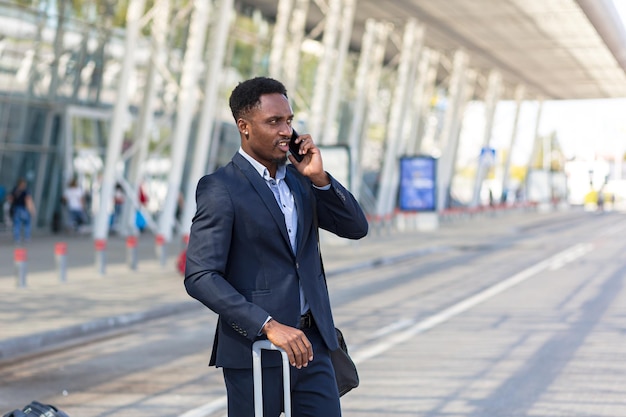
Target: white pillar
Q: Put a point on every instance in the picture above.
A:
(217, 50)
(185, 111)
(535, 136)
(426, 140)
(330, 130)
(279, 39)
(383, 32)
(421, 96)
(385, 200)
(450, 129)
(520, 91)
(360, 106)
(146, 117)
(119, 121)
(529, 165)
(492, 96)
(412, 96)
(326, 62)
(291, 63)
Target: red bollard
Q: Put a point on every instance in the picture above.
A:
(131, 251)
(100, 246)
(20, 258)
(182, 256)
(161, 249)
(60, 255)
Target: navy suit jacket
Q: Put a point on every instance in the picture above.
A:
(240, 263)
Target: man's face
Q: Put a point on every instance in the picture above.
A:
(267, 129)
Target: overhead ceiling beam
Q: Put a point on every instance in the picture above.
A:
(605, 18)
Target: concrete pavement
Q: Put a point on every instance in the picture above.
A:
(48, 313)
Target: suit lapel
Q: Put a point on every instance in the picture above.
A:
(264, 192)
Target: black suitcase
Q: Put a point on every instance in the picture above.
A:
(37, 409)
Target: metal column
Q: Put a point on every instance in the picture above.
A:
(146, 116)
(533, 153)
(449, 133)
(360, 106)
(520, 91)
(330, 131)
(423, 92)
(216, 51)
(393, 139)
(411, 111)
(120, 118)
(185, 111)
(382, 33)
(279, 38)
(425, 142)
(291, 63)
(492, 96)
(326, 62)
(529, 166)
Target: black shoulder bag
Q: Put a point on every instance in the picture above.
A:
(345, 370)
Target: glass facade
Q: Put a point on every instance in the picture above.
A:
(60, 64)
(49, 61)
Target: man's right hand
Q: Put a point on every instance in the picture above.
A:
(291, 340)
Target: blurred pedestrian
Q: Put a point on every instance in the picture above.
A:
(3, 196)
(74, 199)
(118, 204)
(140, 220)
(600, 199)
(21, 211)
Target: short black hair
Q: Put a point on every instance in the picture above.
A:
(247, 94)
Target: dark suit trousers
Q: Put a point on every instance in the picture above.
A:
(313, 388)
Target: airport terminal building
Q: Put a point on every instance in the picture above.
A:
(134, 93)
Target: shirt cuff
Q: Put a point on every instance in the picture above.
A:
(264, 323)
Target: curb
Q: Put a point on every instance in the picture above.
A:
(41, 342)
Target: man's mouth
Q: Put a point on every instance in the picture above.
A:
(283, 145)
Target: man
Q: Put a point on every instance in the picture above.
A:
(22, 209)
(253, 257)
(74, 199)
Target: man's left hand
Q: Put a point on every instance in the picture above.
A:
(311, 165)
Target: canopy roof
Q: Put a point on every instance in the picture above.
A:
(559, 49)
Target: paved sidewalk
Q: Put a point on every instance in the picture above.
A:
(47, 313)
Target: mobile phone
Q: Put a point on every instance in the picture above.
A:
(294, 148)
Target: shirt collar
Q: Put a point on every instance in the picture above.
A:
(260, 168)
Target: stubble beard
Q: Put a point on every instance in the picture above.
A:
(280, 161)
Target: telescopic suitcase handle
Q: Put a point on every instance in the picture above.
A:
(258, 380)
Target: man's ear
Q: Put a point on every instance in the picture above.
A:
(242, 125)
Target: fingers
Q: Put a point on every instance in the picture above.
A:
(306, 144)
(293, 341)
(300, 352)
(298, 348)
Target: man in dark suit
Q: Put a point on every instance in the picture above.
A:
(253, 257)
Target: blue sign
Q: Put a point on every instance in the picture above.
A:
(417, 183)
